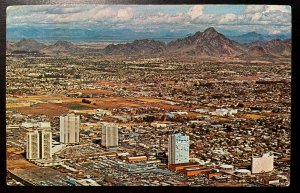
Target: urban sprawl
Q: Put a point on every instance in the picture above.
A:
(91, 121)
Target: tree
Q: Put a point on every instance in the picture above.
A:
(86, 101)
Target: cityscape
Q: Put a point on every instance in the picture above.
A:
(157, 98)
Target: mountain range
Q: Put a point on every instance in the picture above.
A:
(254, 36)
(208, 43)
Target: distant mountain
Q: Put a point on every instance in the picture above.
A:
(257, 51)
(61, 47)
(275, 47)
(28, 45)
(9, 45)
(204, 44)
(137, 47)
(208, 43)
(254, 36)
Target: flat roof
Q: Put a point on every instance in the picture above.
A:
(226, 166)
(185, 164)
(196, 168)
(243, 171)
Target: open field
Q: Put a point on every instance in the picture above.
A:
(105, 83)
(20, 164)
(252, 116)
(35, 97)
(93, 91)
(151, 100)
(47, 109)
(114, 102)
(245, 78)
(79, 107)
(56, 109)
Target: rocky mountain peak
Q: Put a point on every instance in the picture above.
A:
(210, 30)
(63, 43)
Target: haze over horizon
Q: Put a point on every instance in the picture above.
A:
(130, 22)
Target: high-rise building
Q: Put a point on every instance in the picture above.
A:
(262, 164)
(178, 151)
(39, 144)
(109, 135)
(44, 125)
(69, 128)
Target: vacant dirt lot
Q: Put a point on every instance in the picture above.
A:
(245, 78)
(94, 91)
(105, 83)
(252, 116)
(19, 164)
(47, 109)
(115, 102)
(165, 106)
(151, 100)
(36, 97)
(56, 109)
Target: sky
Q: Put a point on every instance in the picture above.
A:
(143, 21)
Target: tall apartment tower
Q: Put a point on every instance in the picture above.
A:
(109, 135)
(39, 144)
(69, 128)
(178, 149)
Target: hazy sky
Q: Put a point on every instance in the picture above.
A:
(154, 18)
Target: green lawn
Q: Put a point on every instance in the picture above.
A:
(78, 107)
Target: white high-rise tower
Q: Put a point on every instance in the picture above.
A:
(69, 128)
(39, 144)
(178, 149)
(109, 135)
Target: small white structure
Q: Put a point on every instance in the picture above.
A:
(123, 154)
(87, 182)
(262, 164)
(48, 163)
(243, 172)
(34, 124)
(157, 124)
(57, 146)
(179, 113)
(275, 181)
(224, 112)
(226, 168)
(103, 112)
(45, 125)
(201, 110)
